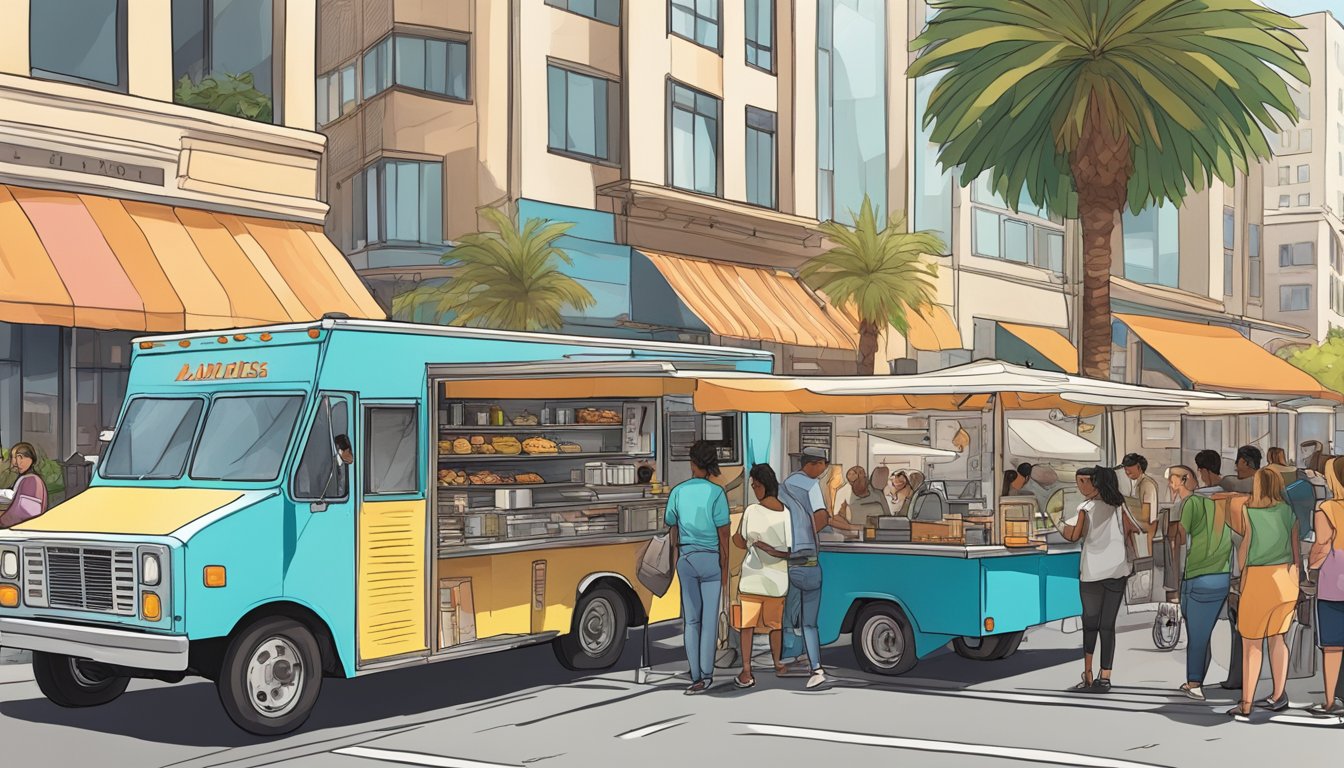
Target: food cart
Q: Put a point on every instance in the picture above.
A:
(975, 570)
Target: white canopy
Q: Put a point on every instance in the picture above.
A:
(882, 446)
(1038, 439)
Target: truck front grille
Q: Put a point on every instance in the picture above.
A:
(83, 578)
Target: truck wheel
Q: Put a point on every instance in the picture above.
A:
(72, 682)
(597, 637)
(883, 640)
(988, 648)
(271, 675)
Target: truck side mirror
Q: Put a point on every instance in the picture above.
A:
(105, 436)
(318, 506)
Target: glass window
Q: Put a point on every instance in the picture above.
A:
(760, 157)
(856, 40)
(79, 41)
(336, 94)
(1285, 201)
(434, 66)
(1304, 140)
(933, 186)
(43, 375)
(1229, 227)
(153, 439)
(1303, 174)
(403, 201)
(1255, 269)
(1304, 200)
(1294, 298)
(319, 474)
(693, 133)
(579, 113)
(1049, 250)
(391, 450)
(225, 37)
(1297, 254)
(761, 34)
(378, 68)
(1285, 174)
(11, 402)
(1152, 245)
(606, 11)
(985, 234)
(245, 438)
(696, 20)
(1016, 242)
(1229, 272)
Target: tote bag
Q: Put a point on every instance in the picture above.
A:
(654, 567)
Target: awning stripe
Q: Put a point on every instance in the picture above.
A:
(1050, 343)
(100, 262)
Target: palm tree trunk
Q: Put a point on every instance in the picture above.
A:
(1102, 165)
(867, 347)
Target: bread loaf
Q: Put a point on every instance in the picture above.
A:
(526, 420)
(597, 416)
(461, 446)
(540, 445)
(529, 478)
(571, 448)
(509, 446)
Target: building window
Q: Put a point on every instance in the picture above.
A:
(761, 34)
(760, 157)
(1256, 268)
(439, 67)
(1229, 272)
(1303, 174)
(42, 378)
(102, 370)
(1340, 101)
(985, 235)
(391, 450)
(605, 11)
(1336, 256)
(1304, 140)
(336, 94)
(1304, 200)
(1303, 101)
(696, 20)
(1285, 201)
(79, 41)
(1152, 245)
(852, 111)
(403, 202)
(1294, 298)
(693, 139)
(1297, 254)
(235, 38)
(580, 118)
(1285, 174)
(1229, 227)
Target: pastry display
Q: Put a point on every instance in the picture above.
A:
(452, 477)
(540, 445)
(477, 440)
(509, 446)
(526, 420)
(484, 448)
(461, 446)
(445, 446)
(597, 416)
(529, 478)
(486, 477)
(571, 448)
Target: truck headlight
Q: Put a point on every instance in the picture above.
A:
(150, 572)
(9, 564)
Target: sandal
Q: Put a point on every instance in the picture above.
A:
(738, 683)
(1100, 685)
(1085, 685)
(1238, 710)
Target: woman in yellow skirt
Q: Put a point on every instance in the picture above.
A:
(1269, 586)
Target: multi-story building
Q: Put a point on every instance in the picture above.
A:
(124, 209)
(1304, 192)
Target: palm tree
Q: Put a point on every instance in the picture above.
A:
(508, 279)
(1090, 106)
(882, 274)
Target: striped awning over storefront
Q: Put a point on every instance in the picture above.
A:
(100, 262)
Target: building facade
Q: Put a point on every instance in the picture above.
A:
(130, 204)
(1304, 192)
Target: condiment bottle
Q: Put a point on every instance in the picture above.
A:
(496, 416)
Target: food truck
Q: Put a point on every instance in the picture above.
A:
(965, 563)
(336, 498)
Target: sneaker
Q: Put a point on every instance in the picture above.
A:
(818, 678)
(1193, 692)
(698, 687)
(1272, 705)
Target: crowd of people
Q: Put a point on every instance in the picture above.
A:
(1238, 542)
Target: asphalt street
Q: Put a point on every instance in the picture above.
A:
(520, 708)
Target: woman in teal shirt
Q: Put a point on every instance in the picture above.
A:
(697, 513)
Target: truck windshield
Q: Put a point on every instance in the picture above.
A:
(245, 438)
(154, 439)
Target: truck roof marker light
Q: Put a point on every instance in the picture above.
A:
(9, 596)
(147, 345)
(313, 333)
(240, 337)
(265, 337)
(184, 343)
(223, 340)
(989, 624)
(215, 576)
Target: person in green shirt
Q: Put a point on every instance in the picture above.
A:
(1208, 564)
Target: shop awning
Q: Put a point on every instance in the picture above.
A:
(932, 329)
(1050, 343)
(1037, 439)
(756, 303)
(101, 262)
(1220, 359)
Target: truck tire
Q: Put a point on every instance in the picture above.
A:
(883, 640)
(597, 637)
(989, 647)
(71, 682)
(271, 676)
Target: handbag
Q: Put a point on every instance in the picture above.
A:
(653, 566)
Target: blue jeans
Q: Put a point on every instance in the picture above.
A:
(701, 586)
(1202, 600)
(801, 607)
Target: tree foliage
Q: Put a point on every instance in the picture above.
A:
(1325, 362)
(235, 95)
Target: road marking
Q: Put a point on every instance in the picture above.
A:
(952, 747)
(1333, 722)
(417, 758)
(653, 728)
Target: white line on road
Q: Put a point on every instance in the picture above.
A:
(417, 758)
(653, 728)
(952, 747)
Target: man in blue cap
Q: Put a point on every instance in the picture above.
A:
(801, 494)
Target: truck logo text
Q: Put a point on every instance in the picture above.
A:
(209, 371)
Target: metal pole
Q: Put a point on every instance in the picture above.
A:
(1000, 451)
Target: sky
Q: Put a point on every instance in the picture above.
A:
(1299, 7)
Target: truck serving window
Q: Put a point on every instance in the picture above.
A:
(244, 439)
(153, 440)
(391, 455)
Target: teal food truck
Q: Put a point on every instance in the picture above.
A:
(341, 497)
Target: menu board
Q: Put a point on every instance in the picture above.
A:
(816, 434)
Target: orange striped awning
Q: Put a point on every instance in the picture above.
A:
(932, 329)
(756, 303)
(100, 262)
(1052, 344)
